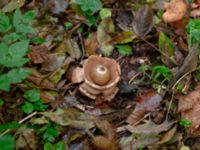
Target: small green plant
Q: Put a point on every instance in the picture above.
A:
(68, 25)
(33, 102)
(179, 87)
(48, 132)
(124, 49)
(9, 125)
(185, 123)
(87, 9)
(7, 142)
(157, 74)
(193, 30)
(56, 146)
(14, 47)
(1, 102)
(161, 74)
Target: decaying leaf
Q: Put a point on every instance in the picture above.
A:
(26, 139)
(143, 135)
(103, 35)
(71, 47)
(168, 135)
(38, 54)
(146, 101)
(150, 128)
(103, 143)
(71, 117)
(59, 6)
(133, 143)
(143, 21)
(12, 5)
(91, 44)
(189, 106)
(189, 64)
(125, 20)
(107, 129)
(124, 37)
(53, 62)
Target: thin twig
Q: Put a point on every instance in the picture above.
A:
(187, 73)
(82, 45)
(20, 122)
(170, 104)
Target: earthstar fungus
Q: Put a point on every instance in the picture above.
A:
(175, 10)
(99, 75)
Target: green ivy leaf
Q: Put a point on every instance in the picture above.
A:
(59, 146)
(29, 16)
(124, 49)
(24, 28)
(21, 22)
(13, 37)
(89, 5)
(50, 134)
(4, 23)
(32, 95)
(7, 142)
(14, 55)
(48, 146)
(27, 108)
(17, 17)
(39, 106)
(13, 76)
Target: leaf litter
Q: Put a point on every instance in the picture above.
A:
(154, 101)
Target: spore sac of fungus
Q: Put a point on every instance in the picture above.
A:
(175, 11)
(99, 76)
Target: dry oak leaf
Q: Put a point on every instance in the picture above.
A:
(175, 10)
(100, 76)
(189, 106)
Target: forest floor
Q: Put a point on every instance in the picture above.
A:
(99, 75)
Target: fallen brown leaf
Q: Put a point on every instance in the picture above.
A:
(146, 101)
(103, 143)
(189, 106)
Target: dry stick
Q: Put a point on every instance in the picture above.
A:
(20, 122)
(82, 44)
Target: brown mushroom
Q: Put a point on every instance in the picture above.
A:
(100, 77)
(175, 11)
